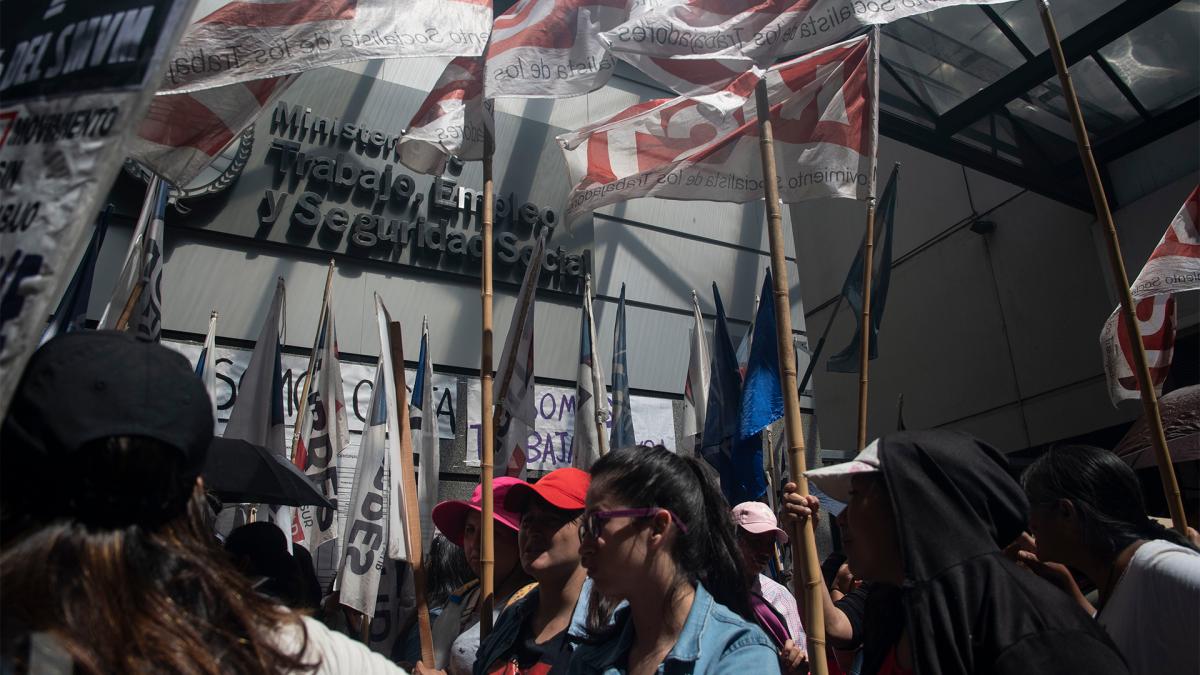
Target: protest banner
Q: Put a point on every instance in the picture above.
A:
(74, 78)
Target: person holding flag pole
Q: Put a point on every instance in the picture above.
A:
(1140, 366)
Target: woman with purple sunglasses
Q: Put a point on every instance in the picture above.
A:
(657, 534)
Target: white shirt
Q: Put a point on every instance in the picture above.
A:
(337, 653)
(1153, 615)
(785, 603)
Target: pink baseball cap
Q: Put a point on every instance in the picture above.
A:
(757, 518)
(451, 516)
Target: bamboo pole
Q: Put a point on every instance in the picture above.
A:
(804, 545)
(1151, 412)
(864, 347)
(130, 305)
(487, 548)
(302, 408)
(416, 555)
(599, 393)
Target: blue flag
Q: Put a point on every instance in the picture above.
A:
(724, 402)
(847, 360)
(622, 415)
(71, 314)
(762, 395)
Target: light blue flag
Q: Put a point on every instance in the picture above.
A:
(762, 395)
(622, 415)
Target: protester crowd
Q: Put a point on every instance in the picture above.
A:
(110, 562)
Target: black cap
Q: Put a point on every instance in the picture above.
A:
(89, 385)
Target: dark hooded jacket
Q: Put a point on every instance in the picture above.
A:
(970, 609)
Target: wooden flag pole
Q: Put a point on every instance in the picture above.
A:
(804, 545)
(302, 408)
(130, 305)
(487, 526)
(599, 394)
(864, 347)
(1149, 399)
(416, 556)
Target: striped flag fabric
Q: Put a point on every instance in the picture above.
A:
(515, 397)
(71, 314)
(257, 39)
(697, 48)
(824, 113)
(1173, 267)
(206, 365)
(451, 121)
(182, 133)
(257, 415)
(622, 414)
(695, 385)
(551, 48)
(323, 435)
(722, 415)
(141, 274)
(423, 426)
(589, 392)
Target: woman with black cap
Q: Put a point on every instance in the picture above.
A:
(105, 560)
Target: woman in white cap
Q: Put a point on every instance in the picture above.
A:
(773, 604)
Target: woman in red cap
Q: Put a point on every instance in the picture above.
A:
(456, 631)
(536, 634)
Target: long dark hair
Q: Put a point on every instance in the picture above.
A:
(140, 597)
(1106, 495)
(708, 552)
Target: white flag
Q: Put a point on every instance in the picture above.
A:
(825, 120)
(182, 133)
(423, 424)
(142, 267)
(323, 435)
(450, 122)
(364, 545)
(697, 48)
(399, 539)
(206, 365)
(257, 415)
(1173, 267)
(256, 39)
(515, 377)
(695, 386)
(551, 48)
(590, 396)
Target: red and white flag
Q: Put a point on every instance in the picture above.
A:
(697, 48)
(256, 39)
(551, 48)
(183, 133)
(450, 122)
(515, 376)
(1173, 267)
(824, 113)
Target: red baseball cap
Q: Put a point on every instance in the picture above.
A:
(451, 517)
(564, 489)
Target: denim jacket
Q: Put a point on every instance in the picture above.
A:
(507, 631)
(713, 640)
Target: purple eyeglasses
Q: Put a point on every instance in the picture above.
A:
(591, 524)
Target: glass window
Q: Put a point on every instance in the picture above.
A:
(1160, 60)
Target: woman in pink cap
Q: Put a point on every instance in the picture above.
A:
(456, 631)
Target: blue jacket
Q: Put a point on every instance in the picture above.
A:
(507, 631)
(713, 640)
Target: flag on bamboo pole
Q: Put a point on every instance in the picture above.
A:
(183, 133)
(206, 365)
(1173, 267)
(399, 534)
(323, 435)
(551, 48)
(722, 415)
(622, 413)
(451, 121)
(256, 39)
(589, 403)
(824, 113)
(696, 48)
(515, 398)
(847, 360)
(142, 268)
(257, 414)
(364, 542)
(761, 401)
(71, 314)
(695, 385)
(423, 425)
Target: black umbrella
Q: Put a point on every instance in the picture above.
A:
(241, 472)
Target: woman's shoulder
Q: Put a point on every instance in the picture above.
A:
(736, 631)
(332, 652)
